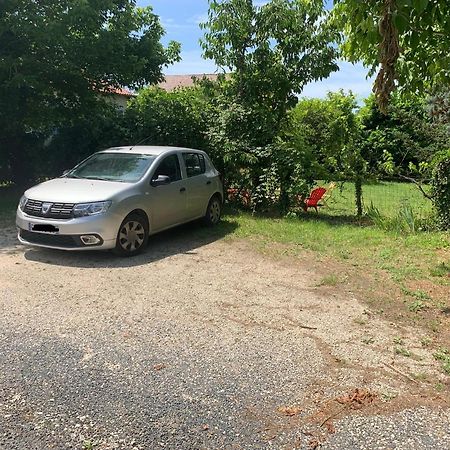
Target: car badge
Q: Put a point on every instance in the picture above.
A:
(46, 207)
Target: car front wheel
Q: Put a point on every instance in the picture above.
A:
(132, 236)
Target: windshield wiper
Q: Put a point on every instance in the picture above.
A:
(99, 178)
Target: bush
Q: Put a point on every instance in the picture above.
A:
(441, 190)
(66, 146)
(176, 118)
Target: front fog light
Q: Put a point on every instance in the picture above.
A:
(90, 239)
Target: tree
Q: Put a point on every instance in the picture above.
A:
(323, 136)
(405, 40)
(401, 141)
(57, 56)
(271, 52)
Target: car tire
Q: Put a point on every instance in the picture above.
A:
(132, 236)
(214, 211)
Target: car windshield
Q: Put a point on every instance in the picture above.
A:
(123, 167)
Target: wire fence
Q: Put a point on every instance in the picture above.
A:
(386, 196)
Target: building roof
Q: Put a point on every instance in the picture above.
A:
(120, 91)
(172, 82)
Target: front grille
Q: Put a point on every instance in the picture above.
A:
(56, 211)
(52, 240)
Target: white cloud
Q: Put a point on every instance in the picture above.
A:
(170, 24)
(198, 19)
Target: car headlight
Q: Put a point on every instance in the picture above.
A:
(22, 202)
(90, 209)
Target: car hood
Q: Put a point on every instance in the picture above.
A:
(72, 190)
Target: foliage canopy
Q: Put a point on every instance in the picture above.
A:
(272, 50)
(57, 56)
(407, 39)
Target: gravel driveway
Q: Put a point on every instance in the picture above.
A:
(201, 343)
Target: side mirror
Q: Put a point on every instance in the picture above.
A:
(161, 180)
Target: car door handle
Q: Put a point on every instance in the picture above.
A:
(183, 189)
(208, 182)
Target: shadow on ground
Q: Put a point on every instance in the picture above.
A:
(334, 218)
(184, 239)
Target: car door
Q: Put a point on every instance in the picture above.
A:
(198, 184)
(168, 201)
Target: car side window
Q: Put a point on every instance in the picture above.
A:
(170, 167)
(195, 164)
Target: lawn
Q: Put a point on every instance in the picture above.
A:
(404, 256)
(404, 274)
(398, 269)
(387, 197)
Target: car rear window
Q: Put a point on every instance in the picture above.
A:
(195, 164)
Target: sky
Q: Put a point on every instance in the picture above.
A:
(181, 18)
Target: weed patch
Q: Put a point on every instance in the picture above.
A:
(443, 355)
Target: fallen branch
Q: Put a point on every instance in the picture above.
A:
(306, 327)
(401, 373)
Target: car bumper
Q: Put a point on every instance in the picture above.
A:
(70, 232)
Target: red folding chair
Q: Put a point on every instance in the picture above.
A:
(314, 198)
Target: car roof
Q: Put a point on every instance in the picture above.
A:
(147, 149)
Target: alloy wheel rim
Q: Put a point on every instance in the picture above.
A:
(214, 211)
(131, 236)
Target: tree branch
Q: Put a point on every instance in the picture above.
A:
(425, 194)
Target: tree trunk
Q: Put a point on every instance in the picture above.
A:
(358, 196)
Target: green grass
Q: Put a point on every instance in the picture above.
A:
(402, 351)
(403, 256)
(329, 280)
(385, 196)
(403, 252)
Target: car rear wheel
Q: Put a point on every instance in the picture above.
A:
(132, 236)
(214, 211)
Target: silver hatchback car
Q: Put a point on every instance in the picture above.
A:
(117, 197)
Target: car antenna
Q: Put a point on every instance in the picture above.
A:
(140, 142)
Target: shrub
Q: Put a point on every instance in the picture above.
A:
(441, 190)
(404, 222)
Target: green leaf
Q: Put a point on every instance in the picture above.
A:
(401, 23)
(420, 5)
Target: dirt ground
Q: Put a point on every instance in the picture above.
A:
(204, 343)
